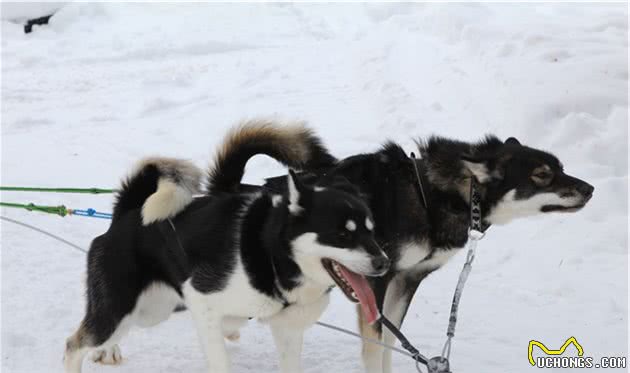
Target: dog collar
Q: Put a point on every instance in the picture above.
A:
(477, 227)
(476, 221)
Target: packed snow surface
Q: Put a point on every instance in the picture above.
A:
(105, 84)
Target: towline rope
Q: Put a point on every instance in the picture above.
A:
(60, 210)
(58, 190)
(60, 239)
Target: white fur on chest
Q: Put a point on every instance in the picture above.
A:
(415, 257)
(437, 260)
(238, 298)
(306, 293)
(411, 254)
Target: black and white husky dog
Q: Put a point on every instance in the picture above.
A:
(228, 256)
(513, 180)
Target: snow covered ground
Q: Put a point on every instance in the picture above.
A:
(105, 84)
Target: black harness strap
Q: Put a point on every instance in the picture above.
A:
(404, 342)
(419, 175)
(166, 227)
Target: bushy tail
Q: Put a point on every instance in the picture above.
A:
(292, 144)
(161, 186)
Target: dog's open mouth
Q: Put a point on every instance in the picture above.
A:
(355, 287)
(559, 208)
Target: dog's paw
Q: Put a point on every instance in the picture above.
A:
(234, 337)
(109, 356)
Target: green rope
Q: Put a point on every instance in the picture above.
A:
(60, 190)
(57, 210)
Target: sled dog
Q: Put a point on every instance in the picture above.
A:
(230, 255)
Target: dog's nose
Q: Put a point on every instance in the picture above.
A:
(586, 189)
(381, 264)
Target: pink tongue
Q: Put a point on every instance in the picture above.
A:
(364, 292)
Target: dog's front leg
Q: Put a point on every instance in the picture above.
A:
(289, 345)
(288, 328)
(208, 323)
(398, 297)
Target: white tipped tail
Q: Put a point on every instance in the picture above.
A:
(169, 199)
(179, 180)
(162, 187)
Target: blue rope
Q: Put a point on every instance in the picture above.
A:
(91, 213)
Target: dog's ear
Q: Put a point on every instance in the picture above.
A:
(478, 167)
(512, 141)
(297, 190)
(392, 155)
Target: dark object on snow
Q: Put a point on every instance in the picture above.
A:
(28, 27)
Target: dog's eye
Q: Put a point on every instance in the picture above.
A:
(343, 234)
(542, 178)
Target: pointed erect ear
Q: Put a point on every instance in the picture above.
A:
(477, 167)
(295, 190)
(512, 141)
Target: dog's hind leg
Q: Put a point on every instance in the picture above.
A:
(107, 350)
(109, 355)
(77, 346)
(100, 333)
(154, 305)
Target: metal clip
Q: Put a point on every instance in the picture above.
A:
(474, 234)
(438, 364)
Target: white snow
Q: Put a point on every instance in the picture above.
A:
(106, 84)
